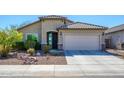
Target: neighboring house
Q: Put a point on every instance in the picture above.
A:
(62, 33)
(115, 37)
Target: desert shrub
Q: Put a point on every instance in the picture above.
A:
(30, 44)
(4, 50)
(46, 49)
(19, 45)
(38, 46)
(31, 51)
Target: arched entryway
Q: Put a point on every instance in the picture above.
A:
(52, 39)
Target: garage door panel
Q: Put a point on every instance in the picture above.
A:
(81, 42)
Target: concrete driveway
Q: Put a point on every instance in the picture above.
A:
(96, 63)
(80, 64)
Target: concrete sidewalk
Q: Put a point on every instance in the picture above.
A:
(40, 71)
(37, 71)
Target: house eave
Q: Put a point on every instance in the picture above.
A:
(114, 31)
(18, 29)
(82, 29)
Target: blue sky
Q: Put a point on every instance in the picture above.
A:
(104, 20)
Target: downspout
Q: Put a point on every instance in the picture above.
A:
(103, 41)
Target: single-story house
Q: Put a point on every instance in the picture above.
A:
(62, 33)
(115, 37)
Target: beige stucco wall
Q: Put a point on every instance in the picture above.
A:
(84, 32)
(49, 25)
(42, 27)
(34, 28)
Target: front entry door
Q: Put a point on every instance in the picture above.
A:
(52, 39)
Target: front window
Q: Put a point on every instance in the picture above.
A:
(32, 36)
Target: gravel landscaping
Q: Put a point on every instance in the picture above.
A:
(44, 59)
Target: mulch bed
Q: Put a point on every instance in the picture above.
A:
(45, 59)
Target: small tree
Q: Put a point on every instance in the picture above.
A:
(8, 38)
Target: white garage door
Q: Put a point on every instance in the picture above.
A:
(81, 42)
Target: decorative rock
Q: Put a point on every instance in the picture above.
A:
(38, 54)
(34, 58)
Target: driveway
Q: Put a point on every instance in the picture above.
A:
(96, 63)
(79, 64)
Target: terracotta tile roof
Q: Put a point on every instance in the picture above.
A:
(46, 17)
(80, 25)
(52, 16)
(115, 29)
(28, 25)
(76, 25)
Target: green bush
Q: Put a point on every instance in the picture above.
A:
(31, 51)
(38, 46)
(31, 41)
(46, 49)
(30, 44)
(20, 45)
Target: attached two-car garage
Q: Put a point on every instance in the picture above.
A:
(79, 41)
(81, 36)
